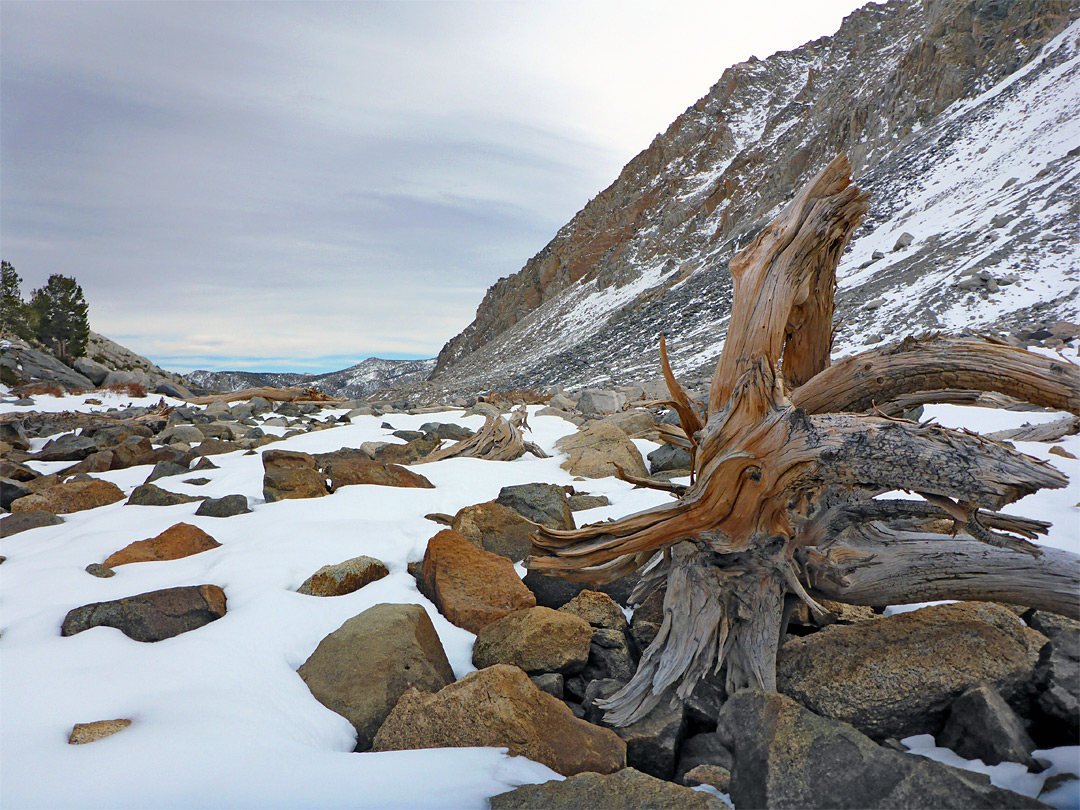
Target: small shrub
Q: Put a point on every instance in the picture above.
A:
(41, 390)
(132, 389)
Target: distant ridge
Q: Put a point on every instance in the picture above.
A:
(356, 381)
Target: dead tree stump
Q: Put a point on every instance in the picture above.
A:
(789, 457)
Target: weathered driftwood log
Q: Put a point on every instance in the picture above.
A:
(781, 500)
(1047, 432)
(498, 440)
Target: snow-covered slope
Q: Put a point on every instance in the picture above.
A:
(962, 121)
(371, 375)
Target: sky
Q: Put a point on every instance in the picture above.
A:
(279, 186)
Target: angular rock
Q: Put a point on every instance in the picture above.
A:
(554, 591)
(537, 640)
(151, 616)
(223, 507)
(598, 401)
(347, 472)
(84, 733)
(181, 540)
(407, 453)
(594, 451)
(343, 578)
(74, 496)
(897, 676)
(447, 431)
(611, 654)
(187, 434)
(647, 618)
(550, 682)
(24, 521)
(581, 501)
(545, 504)
(363, 668)
(668, 457)
(703, 749)
(499, 706)
(715, 776)
(629, 789)
(495, 528)
(287, 474)
(636, 424)
(164, 469)
(598, 609)
(68, 447)
(982, 726)
(470, 587)
(151, 495)
(11, 491)
(903, 241)
(1057, 682)
(652, 743)
(16, 471)
(788, 757)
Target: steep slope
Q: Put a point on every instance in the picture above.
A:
(938, 104)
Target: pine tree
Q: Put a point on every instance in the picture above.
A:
(14, 314)
(61, 310)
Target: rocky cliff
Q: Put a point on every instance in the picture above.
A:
(936, 102)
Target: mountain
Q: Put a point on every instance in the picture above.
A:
(961, 119)
(356, 381)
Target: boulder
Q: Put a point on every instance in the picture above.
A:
(68, 447)
(223, 507)
(17, 471)
(787, 757)
(92, 370)
(897, 676)
(363, 668)
(537, 640)
(151, 616)
(14, 434)
(554, 591)
(151, 495)
(495, 528)
(581, 501)
(652, 743)
(24, 521)
(449, 432)
(287, 474)
(982, 726)
(545, 504)
(628, 789)
(550, 682)
(11, 490)
(164, 469)
(343, 578)
(594, 451)
(84, 733)
(407, 453)
(702, 749)
(637, 424)
(74, 496)
(470, 587)
(904, 240)
(181, 540)
(668, 457)
(500, 707)
(346, 472)
(611, 654)
(186, 434)
(1057, 681)
(599, 401)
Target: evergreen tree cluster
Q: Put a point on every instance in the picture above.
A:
(56, 314)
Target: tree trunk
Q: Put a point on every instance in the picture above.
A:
(781, 503)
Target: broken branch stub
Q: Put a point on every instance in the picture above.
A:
(780, 507)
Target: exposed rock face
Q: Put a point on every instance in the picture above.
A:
(74, 496)
(181, 540)
(343, 578)
(537, 640)
(151, 616)
(788, 757)
(629, 789)
(649, 253)
(499, 706)
(470, 586)
(362, 668)
(898, 676)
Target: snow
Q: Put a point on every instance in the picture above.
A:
(220, 717)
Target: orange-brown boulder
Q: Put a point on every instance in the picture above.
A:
(74, 496)
(182, 540)
(500, 707)
(349, 471)
(287, 474)
(470, 587)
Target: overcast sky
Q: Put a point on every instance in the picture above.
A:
(299, 186)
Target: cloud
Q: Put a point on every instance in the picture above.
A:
(303, 180)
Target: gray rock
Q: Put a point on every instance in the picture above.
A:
(668, 457)
(165, 469)
(876, 303)
(362, 668)
(34, 367)
(904, 241)
(99, 570)
(92, 370)
(12, 490)
(982, 726)
(188, 434)
(628, 789)
(788, 757)
(1057, 679)
(24, 521)
(550, 682)
(68, 447)
(580, 502)
(652, 743)
(598, 401)
(151, 616)
(877, 255)
(545, 504)
(444, 430)
(151, 495)
(702, 749)
(223, 507)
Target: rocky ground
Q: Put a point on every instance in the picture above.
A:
(992, 682)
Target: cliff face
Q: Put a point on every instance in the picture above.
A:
(663, 231)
